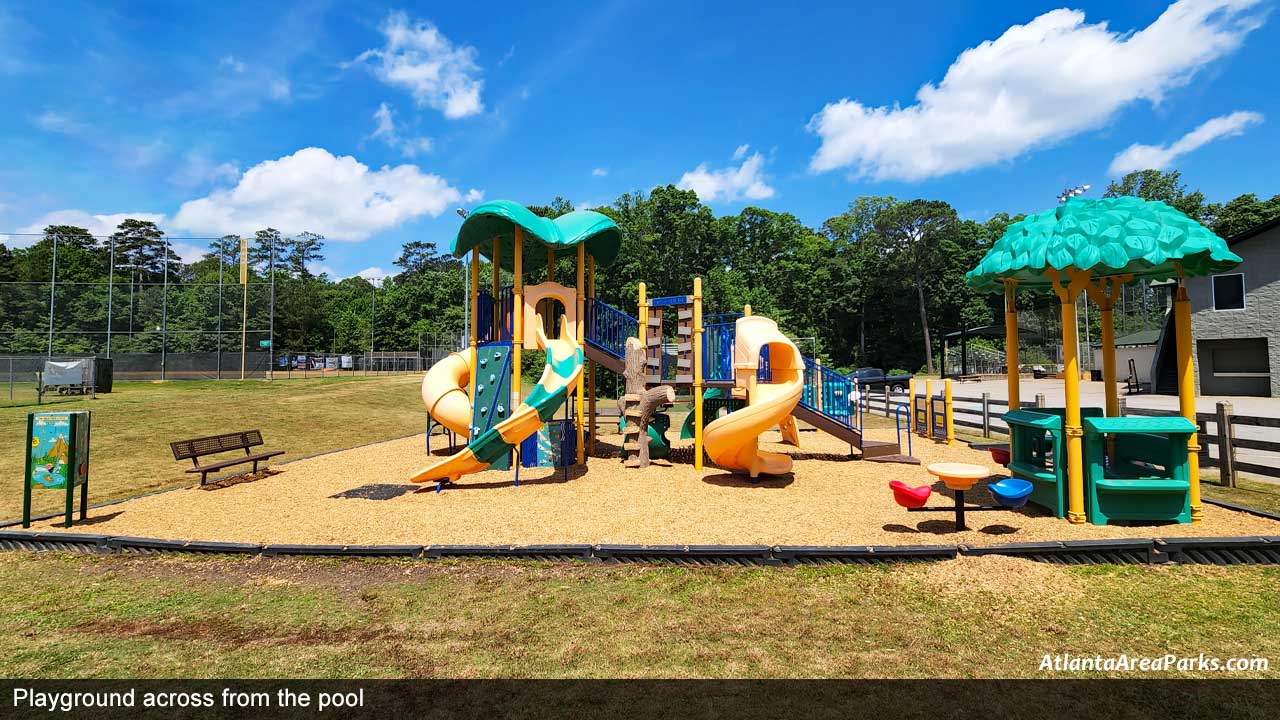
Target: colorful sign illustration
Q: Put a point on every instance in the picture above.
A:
(53, 462)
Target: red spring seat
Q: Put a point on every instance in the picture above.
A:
(910, 497)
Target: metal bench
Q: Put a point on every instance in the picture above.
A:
(197, 448)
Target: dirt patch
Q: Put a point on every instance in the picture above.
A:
(1002, 577)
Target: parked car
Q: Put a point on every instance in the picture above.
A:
(875, 377)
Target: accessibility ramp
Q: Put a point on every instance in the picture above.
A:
(732, 442)
(564, 365)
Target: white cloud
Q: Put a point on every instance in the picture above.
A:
(198, 169)
(1159, 157)
(473, 196)
(741, 152)
(230, 61)
(386, 132)
(418, 58)
(732, 183)
(54, 122)
(99, 225)
(374, 275)
(1037, 83)
(599, 172)
(318, 269)
(187, 252)
(338, 197)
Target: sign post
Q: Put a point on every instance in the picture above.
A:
(57, 458)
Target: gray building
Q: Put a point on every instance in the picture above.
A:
(1235, 321)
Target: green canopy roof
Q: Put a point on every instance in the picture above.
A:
(499, 218)
(1110, 236)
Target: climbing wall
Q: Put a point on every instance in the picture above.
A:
(491, 403)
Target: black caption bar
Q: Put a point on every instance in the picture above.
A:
(492, 699)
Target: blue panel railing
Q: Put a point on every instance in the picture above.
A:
(608, 327)
(484, 315)
(831, 393)
(717, 350)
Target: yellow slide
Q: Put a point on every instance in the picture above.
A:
(559, 379)
(732, 442)
(444, 390)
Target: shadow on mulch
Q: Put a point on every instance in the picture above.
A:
(376, 491)
(94, 520)
(561, 476)
(227, 482)
(769, 482)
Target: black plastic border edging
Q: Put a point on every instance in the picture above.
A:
(1241, 508)
(1258, 550)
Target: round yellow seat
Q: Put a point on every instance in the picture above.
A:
(958, 476)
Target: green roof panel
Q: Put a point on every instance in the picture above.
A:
(499, 218)
(1109, 236)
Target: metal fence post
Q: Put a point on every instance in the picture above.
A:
(1122, 407)
(888, 390)
(1226, 445)
(1040, 400)
(986, 414)
(10, 379)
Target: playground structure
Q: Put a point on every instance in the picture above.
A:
(747, 368)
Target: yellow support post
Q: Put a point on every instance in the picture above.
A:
(951, 428)
(582, 301)
(1187, 390)
(697, 373)
(746, 311)
(927, 430)
(475, 316)
(1011, 343)
(642, 313)
(911, 405)
(591, 366)
(517, 318)
(1074, 432)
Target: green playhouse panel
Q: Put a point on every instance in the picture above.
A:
(1148, 476)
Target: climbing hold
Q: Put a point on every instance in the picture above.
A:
(479, 389)
(502, 410)
(484, 362)
(492, 377)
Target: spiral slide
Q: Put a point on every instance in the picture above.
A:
(443, 391)
(732, 442)
(564, 364)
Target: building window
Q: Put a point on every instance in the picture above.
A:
(1228, 292)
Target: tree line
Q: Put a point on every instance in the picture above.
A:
(879, 283)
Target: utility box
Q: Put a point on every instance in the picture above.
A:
(57, 459)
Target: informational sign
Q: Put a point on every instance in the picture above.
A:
(348, 362)
(264, 343)
(57, 458)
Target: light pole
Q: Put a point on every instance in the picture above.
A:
(111, 286)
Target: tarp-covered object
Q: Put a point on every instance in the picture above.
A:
(499, 218)
(70, 372)
(1110, 236)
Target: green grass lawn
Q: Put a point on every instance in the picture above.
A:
(177, 616)
(133, 426)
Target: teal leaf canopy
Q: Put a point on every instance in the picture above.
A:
(499, 219)
(1108, 236)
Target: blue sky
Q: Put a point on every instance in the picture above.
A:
(371, 123)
